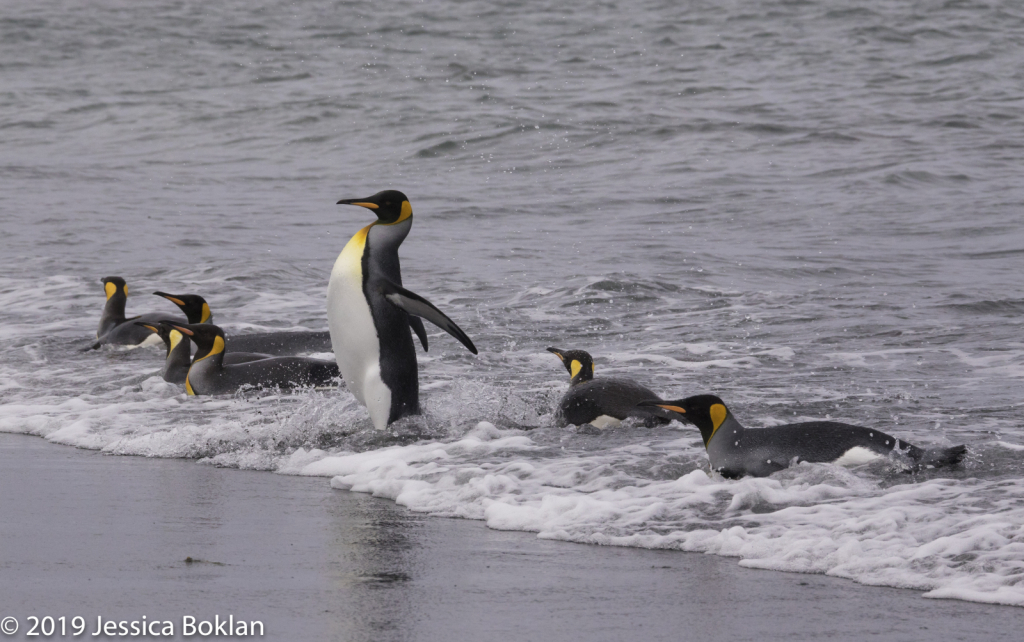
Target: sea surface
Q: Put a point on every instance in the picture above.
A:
(811, 209)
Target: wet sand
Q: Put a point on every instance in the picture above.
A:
(92, 535)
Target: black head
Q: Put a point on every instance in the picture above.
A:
(707, 412)
(579, 364)
(209, 339)
(194, 306)
(174, 337)
(114, 285)
(390, 206)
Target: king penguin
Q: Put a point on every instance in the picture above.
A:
(370, 314)
(276, 344)
(602, 402)
(114, 327)
(210, 375)
(179, 352)
(735, 451)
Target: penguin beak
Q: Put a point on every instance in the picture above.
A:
(662, 404)
(182, 330)
(170, 298)
(556, 352)
(361, 202)
(147, 326)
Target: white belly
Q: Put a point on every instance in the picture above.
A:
(605, 421)
(353, 335)
(856, 456)
(150, 341)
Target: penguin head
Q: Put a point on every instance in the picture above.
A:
(707, 412)
(209, 339)
(390, 206)
(170, 335)
(114, 286)
(195, 307)
(579, 364)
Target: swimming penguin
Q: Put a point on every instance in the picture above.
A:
(370, 314)
(601, 402)
(286, 343)
(179, 352)
(209, 375)
(735, 451)
(114, 329)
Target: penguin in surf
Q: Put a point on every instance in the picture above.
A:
(370, 314)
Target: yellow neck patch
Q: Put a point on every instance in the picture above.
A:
(218, 347)
(110, 289)
(406, 213)
(206, 313)
(175, 338)
(576, 367)
(718, 414)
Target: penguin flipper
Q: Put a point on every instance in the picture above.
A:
(416, 305)
(421, 332)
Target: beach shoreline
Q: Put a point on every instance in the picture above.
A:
(91, 535)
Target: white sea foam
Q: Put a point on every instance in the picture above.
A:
(765, 235)
(470, 456)
(937, 535)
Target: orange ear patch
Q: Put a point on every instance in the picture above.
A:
(718, 413)
(576, 367)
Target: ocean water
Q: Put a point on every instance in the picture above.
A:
(811, 209)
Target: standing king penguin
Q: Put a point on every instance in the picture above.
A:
(370, 314)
